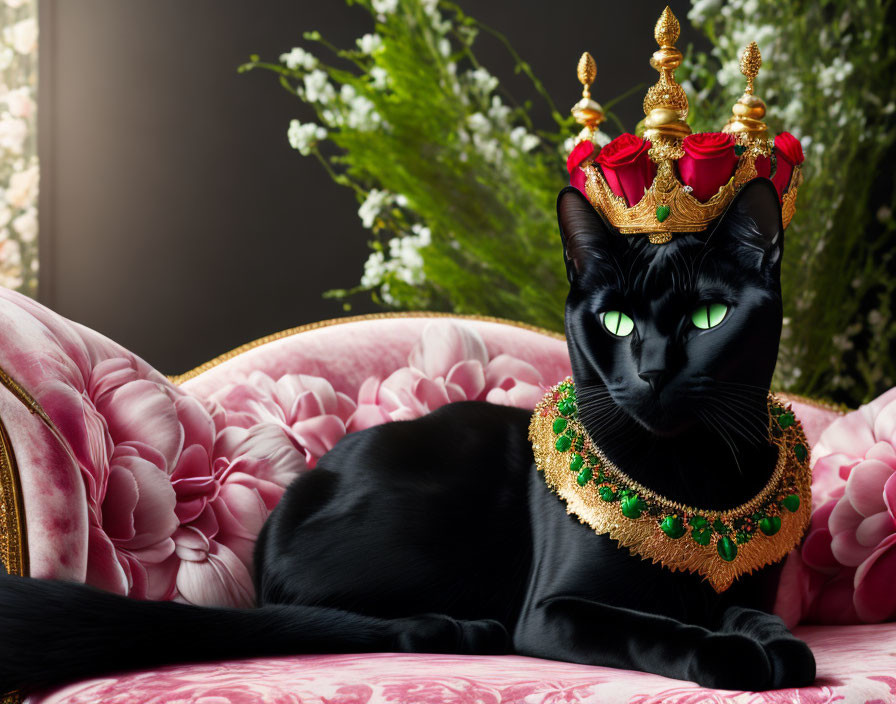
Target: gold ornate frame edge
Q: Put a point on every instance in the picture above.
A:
(13, 546)
(289, 332)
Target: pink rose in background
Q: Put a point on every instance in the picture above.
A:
(314, 414)
(852, 539)
(449, 363)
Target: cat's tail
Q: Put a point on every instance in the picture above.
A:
(53, 632)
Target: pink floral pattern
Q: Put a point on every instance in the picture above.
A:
(849, 556)
(177, 489)
(853, 666)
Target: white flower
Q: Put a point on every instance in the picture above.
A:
(318, 88)
(370, 43)
(498, 111)
(384, 7)
(374, 269)
(401, 200)
(372, 206)
(20, 103)
(22, 36)
(526, 142)
(13, 133)
(7, 56)
(23, 186)
(479, 123)
(380, 77)
(444, 47)
(482, 80)
(26, 225)
(304, 136)
(362, 114)
(299, 57)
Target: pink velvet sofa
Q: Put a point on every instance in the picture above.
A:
(116, 475)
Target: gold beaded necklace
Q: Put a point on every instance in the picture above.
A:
(719, 545)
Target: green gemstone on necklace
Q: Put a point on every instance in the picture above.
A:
(701, 536)
(720, 527)
(564, 442)
(770, 525)
(800, 451)
(632, 506)
(560, 425)
(698, 522)
(584, 476)
(575, 464)
(726, 548)
(607, 494)
(785, 420)
(742, 537)
(791, 502)
(672, 526)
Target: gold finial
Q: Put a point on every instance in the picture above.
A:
(587, 112)
(666, 105)
(667, 29)
(746, 122)
(586, 71)
(750, 62)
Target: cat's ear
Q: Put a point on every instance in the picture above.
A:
(752, 224)
(585, 237)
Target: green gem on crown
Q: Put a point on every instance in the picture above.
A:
(575, 464)
(791, 502)
(584, 476)
(662, 212)
(800, 451)
(560, 425)
(564, 442)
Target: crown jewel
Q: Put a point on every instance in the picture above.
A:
(671, 180)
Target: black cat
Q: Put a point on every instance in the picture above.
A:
(439, 535)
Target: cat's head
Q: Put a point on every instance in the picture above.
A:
(668, 333)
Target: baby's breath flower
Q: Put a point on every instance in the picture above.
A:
(297, 58)
(304, 136)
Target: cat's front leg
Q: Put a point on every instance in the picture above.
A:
(579, 630)
(793, 664)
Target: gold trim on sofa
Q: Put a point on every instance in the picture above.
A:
(13, 546)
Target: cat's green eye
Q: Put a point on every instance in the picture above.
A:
(617, 323)
(708, 315)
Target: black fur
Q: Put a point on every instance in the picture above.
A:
(438, 535)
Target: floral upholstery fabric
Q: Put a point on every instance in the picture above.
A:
(856, 664)
(153, 489)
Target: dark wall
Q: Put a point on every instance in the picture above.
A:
(174, 216)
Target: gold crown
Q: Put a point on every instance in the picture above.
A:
(667, 205)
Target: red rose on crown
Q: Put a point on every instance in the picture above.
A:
(627, 168)
(789, 153)
(708, 163)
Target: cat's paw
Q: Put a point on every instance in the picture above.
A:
(793, 664)
(437, 633)
(730, 661)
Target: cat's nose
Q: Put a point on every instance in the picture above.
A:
(652, 377)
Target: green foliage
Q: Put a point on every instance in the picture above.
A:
(458, 187)
(827, 77)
